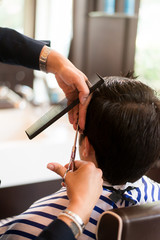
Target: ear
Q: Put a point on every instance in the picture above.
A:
(88, 149)
(87, 152)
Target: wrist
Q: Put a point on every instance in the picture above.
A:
(43, 58)
(55, 62)
(73, 221)
(81, 210)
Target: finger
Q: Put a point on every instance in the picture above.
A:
(82, 116)
(82, 113)
(67, 164)
(100, 173)
(82, 89)
(70, 116)
(83, 97)
(75, 116)
(70, 113)
(79, 163)
(63, 184)
(57, 168)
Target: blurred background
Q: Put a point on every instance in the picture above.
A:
(105, 36)
(110, 37)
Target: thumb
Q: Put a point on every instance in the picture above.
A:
(57, 168)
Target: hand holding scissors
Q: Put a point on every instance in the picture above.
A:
(71, 166)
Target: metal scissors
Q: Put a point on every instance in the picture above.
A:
(71, 166)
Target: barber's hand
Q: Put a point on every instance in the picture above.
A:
(73, 83)
(84, 187)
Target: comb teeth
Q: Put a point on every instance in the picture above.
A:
(100, 77)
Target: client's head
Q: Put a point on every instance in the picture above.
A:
(122, 131)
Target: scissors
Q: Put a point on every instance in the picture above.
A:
(71, 165)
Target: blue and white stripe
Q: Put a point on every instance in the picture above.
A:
(30, 223)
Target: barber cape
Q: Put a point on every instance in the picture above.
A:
(29, 224)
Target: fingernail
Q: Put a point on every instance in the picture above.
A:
(83, 100)
(50, 166)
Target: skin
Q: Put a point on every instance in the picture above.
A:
(87, 152)
(84, 187)
(73, 83)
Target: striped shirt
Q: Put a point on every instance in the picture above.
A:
(30, 223)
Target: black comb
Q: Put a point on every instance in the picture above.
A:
(55, 113)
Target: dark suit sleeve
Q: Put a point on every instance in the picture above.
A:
(57, 230)
(18, 49)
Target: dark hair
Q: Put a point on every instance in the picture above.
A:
(123, 126)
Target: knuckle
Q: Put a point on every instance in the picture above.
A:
(91, 165)
(100, 171)
(68, 174)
